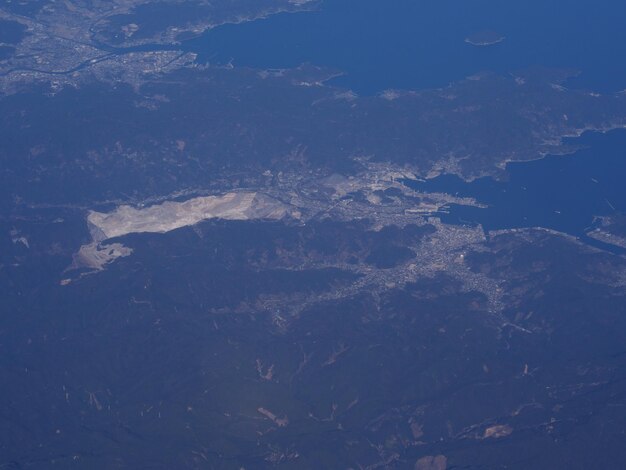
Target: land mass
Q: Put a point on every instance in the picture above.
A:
(170, 215)
(485, 38)
(610, 229)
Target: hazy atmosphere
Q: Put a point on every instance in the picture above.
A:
(312, 234)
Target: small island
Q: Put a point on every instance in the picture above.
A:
(484, 38)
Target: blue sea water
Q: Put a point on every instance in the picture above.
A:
(563, 193)
(416, 44)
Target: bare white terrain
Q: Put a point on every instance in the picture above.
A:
(96, 256)
(170, 215)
